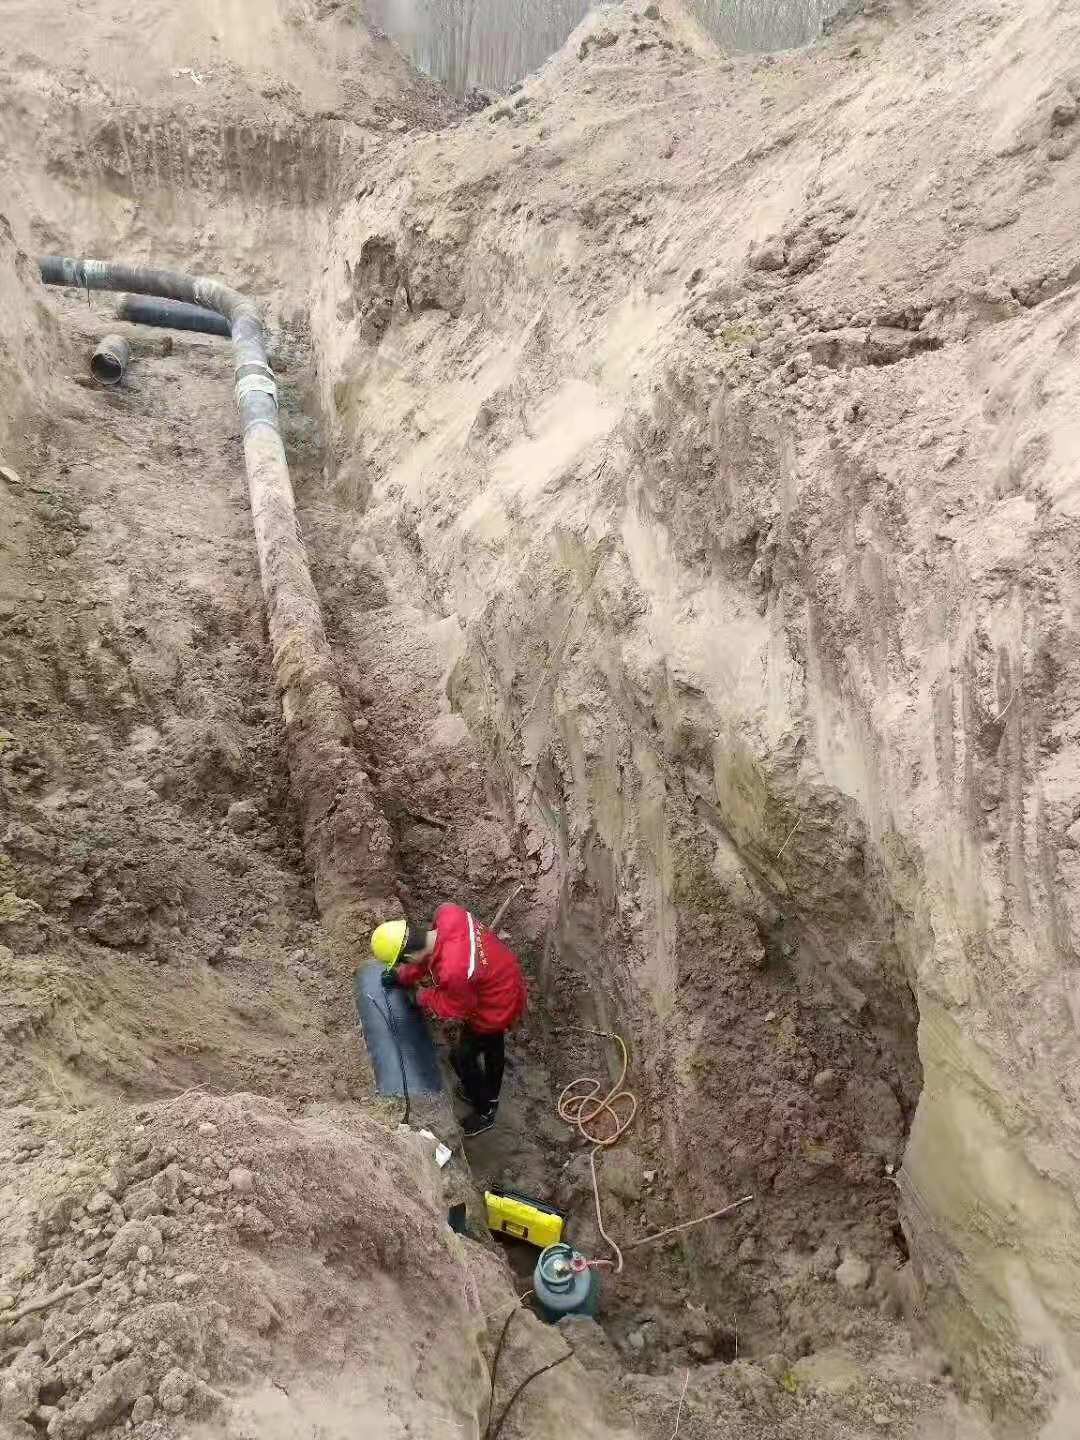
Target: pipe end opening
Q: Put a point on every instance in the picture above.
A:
(107, 369)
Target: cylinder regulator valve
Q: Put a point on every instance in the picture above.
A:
(564, 1284)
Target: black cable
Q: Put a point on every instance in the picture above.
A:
(391, 1024)
(494, 1369)
(489, 1433)
(534, 1376)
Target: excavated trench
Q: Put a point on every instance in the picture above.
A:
(193, 734)
(165, 683)
(589, 645)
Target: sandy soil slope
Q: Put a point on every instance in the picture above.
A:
(726, 409)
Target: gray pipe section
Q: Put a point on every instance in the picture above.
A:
(110, 359)
(402, 1052)
(256, 393)
(255, 390)
(346, 838)
(171, 315)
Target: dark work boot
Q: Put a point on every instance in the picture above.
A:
(478, 1122)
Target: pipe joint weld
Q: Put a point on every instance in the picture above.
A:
(262, 384)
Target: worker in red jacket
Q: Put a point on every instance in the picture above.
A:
(461, 971)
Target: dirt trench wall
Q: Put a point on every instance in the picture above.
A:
(743, 468)
(207, 143)
(29, 342)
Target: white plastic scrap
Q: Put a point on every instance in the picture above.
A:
(443, 1153)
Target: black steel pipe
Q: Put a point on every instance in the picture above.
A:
(110, 359)
(256, 392)
(171, 315)
(346, 837)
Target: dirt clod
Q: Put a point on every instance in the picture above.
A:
(241, 816)
(107, 1399)
(142, 1410)
(853, 1273)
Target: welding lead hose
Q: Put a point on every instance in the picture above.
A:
(581, 1104)
(347, 841)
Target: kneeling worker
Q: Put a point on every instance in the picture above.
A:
(464, 973)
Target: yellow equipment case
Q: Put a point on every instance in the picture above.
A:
(509, 1213)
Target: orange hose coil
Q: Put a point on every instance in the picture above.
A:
(582, 1103)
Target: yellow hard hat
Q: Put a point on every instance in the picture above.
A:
(388, 941)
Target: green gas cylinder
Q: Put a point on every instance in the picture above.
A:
(564, 1284)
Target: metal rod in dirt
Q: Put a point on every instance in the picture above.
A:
(346, 837)
(501, 911)
(689, 1224)
(171, 315)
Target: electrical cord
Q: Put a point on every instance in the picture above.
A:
(580, 1108)
(581, 1104)
(534, 1376)
(492, 1433)
(495, 1367)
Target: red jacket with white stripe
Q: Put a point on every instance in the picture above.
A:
(470, 976)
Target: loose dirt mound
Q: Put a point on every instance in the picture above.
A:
(232, 1264)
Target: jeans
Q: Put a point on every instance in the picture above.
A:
(478, 1061)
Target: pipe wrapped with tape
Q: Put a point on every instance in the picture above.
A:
(347, 840)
